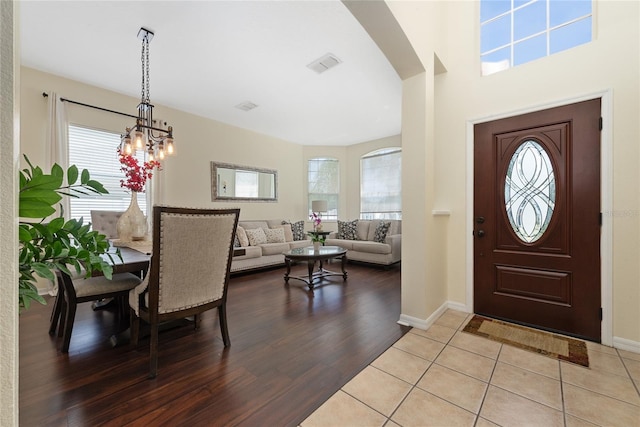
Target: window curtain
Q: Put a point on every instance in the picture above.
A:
(57, 144)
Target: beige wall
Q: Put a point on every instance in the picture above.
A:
(461, 95)
(9, 147)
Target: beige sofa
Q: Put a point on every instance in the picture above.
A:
(250, 257)
(365, 249)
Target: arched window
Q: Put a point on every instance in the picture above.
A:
(324, 184)
(381, 184)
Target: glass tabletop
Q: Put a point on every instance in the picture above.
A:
(322, 251)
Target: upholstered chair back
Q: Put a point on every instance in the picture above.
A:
(192, 258)
(105, 222)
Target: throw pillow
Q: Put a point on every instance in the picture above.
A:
(288, 233)
(236, 242)
(274, 235)
(381, 231)
(242, 236)
(348, 230)
(297, 228)
(256, 236)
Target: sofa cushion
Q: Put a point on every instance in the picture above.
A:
(347, 230)
(363, 230)
(274, 223)
(242, 236)
(288, 233)
(274, 235)
(274, 248)
(396, 227)
(252, 225)
(380, 231)
(371, 247)
(297, 228)
(256, 236)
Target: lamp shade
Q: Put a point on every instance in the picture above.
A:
(318, 205)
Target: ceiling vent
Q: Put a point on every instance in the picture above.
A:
(322, 64)
(246, 106)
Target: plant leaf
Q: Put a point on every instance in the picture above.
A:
(72, 174)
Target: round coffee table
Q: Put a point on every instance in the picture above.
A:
(310, 255)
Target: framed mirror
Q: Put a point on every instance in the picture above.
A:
(246, 183)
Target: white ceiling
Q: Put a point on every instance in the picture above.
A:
(209, 56)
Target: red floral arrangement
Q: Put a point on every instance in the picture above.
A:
(136, 175)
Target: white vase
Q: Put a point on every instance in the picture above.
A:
(316, 246)
(132, 225)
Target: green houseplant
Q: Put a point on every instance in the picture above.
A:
(56, 244)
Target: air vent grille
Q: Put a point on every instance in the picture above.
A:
(246, 106)
(324, 63)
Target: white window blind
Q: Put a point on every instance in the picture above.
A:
(96, 151)
(324, 184)
(381, 184)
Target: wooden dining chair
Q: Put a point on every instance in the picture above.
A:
(189, 272)
(72, 292)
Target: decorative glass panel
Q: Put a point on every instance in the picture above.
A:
(530, 191)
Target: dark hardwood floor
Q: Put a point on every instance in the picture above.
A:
(290, 350)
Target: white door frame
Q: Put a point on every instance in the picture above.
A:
(606, 204)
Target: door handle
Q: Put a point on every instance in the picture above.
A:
(480, 233)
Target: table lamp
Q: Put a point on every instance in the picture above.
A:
(319, 206)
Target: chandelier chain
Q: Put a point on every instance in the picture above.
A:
(142, 85)
(147, 71)
(144, 59)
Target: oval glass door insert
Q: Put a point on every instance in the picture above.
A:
(530, 191)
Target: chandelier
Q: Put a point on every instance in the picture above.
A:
(157, 142)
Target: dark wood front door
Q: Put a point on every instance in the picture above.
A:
(537, 219)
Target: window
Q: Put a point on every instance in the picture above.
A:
(96, 150)
(324, 184)
(381, 184)
(513, 32)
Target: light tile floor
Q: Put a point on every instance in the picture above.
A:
(446, 377)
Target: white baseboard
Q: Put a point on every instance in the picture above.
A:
(625, 344)
(424, 324)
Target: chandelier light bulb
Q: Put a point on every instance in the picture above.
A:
(138, 140)
(126, 143)
(169, 142)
